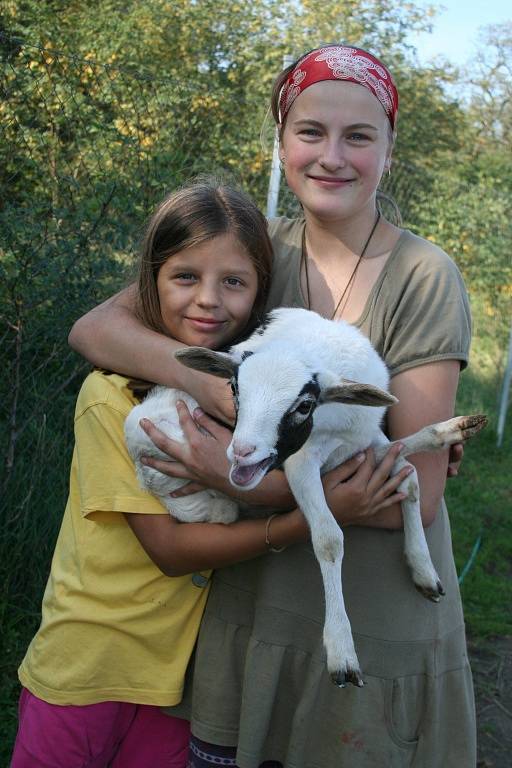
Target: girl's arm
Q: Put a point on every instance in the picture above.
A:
(181, 548)
(111, 336)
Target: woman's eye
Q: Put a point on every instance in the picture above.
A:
(234, 281)
(358, 137)
(186, 276)
(309, 132)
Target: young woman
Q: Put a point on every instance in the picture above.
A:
(260, 688)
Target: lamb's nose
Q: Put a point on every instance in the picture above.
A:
(241, 450)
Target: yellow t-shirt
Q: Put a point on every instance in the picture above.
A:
(113, 627)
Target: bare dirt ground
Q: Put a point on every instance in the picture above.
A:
(491, 661)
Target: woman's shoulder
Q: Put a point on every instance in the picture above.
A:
(285, 233)
(103, 388)
(421, 254)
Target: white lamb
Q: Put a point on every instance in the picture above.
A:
(160, 407)
(300, 404)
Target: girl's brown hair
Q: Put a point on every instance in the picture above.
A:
(199, 211)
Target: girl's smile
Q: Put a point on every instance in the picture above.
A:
(207, 292)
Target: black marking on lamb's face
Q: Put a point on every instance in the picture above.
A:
(233, 383)
(246, 354)
(293, 432)
(262, 327)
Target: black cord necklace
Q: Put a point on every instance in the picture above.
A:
(352, 276)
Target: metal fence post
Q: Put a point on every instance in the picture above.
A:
(275, 169)
(504, 393)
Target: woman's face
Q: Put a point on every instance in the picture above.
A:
(207, 292)
(335, 146)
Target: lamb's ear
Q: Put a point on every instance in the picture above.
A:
(354, 393)
(206, 360)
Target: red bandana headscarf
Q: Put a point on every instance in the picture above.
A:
(341, 62)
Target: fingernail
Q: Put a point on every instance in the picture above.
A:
(409, 471)
(143, 460)
(143, 422)
(198, 412)
(360, 457)
(399, 446)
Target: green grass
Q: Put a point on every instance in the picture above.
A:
(480, 499)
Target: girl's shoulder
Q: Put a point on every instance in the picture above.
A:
(104, 388)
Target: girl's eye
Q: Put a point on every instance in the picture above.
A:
(233, 281)
(185, 276)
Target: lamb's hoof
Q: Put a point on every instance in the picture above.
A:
(352, 676)
(470, 425)
(430, 593)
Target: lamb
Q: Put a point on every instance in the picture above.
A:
(309, 394)
(160, 407)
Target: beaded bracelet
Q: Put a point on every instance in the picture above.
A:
(267, 536)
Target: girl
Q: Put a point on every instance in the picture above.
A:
(116, 632)
(260, 688)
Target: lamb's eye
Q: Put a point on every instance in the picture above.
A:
(304, 408)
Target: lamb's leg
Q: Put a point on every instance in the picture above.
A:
(416, 550)
(327, 538)
(437, 437)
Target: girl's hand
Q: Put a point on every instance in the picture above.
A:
(201, 458)
(359, 487)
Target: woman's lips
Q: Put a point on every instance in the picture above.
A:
(330, 181)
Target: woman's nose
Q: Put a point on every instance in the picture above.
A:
(332, 157)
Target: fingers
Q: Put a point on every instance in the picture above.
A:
(164, 443)
(187, 490)
(344, 471)
(170, 468)
(383, 470)
(212, 427)
(455, 457)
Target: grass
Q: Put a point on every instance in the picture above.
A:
(479, 503)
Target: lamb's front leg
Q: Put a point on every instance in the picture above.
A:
(437, 437)
(416, 550)
(303, 475)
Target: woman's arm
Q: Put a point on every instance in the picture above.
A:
(426, 395)
(111, 336)
(180, 548)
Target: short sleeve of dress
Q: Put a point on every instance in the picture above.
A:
(421, 311)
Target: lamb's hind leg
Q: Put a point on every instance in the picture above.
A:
(437, 437)
(416, 550)
(327, 539)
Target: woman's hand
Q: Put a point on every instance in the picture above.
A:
(454, 459)
(359, 487)
(201, 458)
(213, 394)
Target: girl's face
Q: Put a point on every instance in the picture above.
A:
(336, 144)
(207, 292)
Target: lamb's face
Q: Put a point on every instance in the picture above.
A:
(275, 401)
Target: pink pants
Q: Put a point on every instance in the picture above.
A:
(106, 735)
